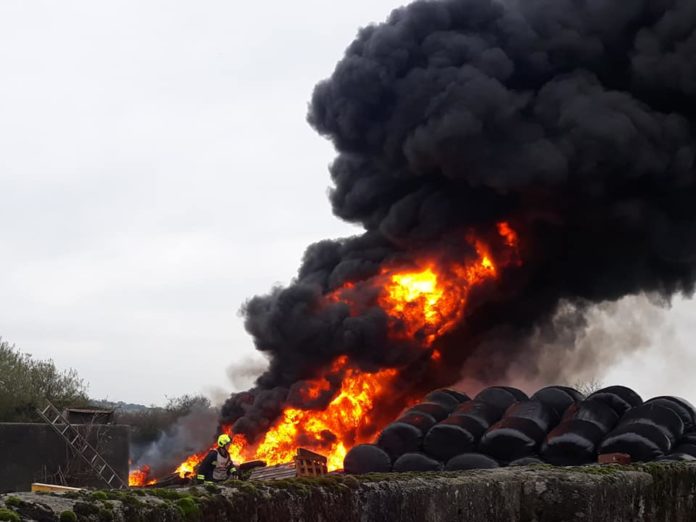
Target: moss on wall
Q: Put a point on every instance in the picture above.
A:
(537, 493)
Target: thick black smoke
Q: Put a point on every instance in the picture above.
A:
(571, 119)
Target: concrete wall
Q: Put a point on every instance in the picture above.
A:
(34, 453)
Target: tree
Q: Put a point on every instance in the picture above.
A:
(588, 387)
(25, 384)
(149, 424)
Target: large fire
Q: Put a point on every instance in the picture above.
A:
(333, 430)
(429, 302)
(422, 303)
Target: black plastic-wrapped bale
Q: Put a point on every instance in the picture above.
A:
(526, 461)
(366, 458)
(620, 398)
(456, 434)
(598, 413)
(519, 394)
(501, 397)
(689, 437)
(435, 410)
(399, 438)
(544, 416)
(677, 457)
(556, 398)
(416, 462)
(511, 438)
(666, 419)
(572, 443)
(484, 413)
(643, 442)
(444, 399)
(575, 394)
(460, 396)
(689, 449)
(422, 421)
(681, 407)
(471, 461)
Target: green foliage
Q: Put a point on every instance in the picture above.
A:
(131, 500)
(188, 507)
(115, 494)
(185, 404)
(14, 502)
(68, 516)
(25, 384)
(166, 494)
(105, 515)
(212, 488)
(99, 495)
(11, 516)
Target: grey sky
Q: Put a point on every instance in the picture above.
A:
(156, 170)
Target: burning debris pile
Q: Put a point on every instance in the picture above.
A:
(506, 160)
(502, 427)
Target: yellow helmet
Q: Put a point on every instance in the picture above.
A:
(224, 440)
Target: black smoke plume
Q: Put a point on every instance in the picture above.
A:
(573, 120)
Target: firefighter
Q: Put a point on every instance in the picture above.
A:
(217, 465)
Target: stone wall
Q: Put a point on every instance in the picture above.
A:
(35, 453)
(651, 492)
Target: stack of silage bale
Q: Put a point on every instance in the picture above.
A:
(502, 426)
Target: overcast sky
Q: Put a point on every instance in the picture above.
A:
(156, 170)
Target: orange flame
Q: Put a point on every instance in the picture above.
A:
(423, 304)
(188, 467)
(506, 231)
(432, 300)
(333, 430)
(140, 477)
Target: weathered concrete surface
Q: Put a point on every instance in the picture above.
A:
(34, 452)
(655, 492)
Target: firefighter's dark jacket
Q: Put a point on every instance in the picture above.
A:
(207, 465)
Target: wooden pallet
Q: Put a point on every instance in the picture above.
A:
(310, 464)
(305, 464)
(281, 471)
